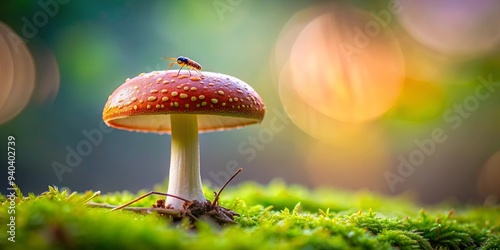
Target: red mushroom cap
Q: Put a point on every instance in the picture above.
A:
(144, 102)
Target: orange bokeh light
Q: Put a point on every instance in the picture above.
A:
(17, 74)
(317, 124)
(344, 68)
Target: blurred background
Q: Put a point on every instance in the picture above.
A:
(394, 97)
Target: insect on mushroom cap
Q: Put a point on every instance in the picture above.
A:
(145, 102)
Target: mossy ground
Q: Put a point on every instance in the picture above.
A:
(276, 216)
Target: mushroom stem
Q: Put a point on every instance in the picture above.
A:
(184, 177)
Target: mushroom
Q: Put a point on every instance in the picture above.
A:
(183, 106)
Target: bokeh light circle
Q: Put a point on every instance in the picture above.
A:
(345, 154)
(17, 71)
(345, 66)
(453, 27)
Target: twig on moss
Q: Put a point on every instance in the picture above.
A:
(163, 211)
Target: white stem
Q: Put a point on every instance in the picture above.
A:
(184, 177)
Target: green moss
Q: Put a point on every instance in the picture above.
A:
(276, 216)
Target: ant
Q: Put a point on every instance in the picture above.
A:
(184, 61)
